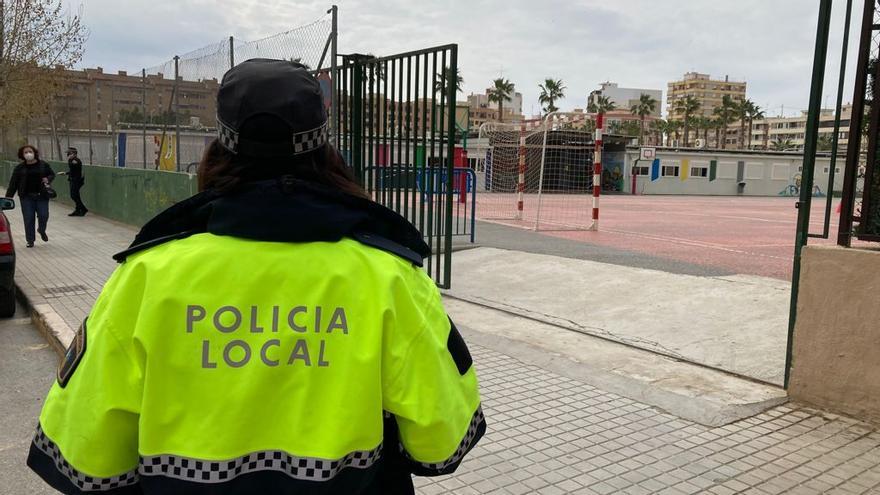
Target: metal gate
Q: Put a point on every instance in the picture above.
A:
(395, 125)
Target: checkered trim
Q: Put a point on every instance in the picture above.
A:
(227, 136)
(303, 142)
(300, 468)
(463, 448)
(82, 481)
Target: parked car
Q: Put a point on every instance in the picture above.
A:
(7, 261)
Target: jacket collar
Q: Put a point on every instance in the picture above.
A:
(284, 210)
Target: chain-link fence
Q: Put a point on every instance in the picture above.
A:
(163, 117)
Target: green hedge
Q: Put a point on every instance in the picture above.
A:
(130, 196)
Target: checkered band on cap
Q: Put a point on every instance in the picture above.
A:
(303, 142)
(227, 136)
(81, 480)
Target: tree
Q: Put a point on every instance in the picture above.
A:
(646, 106)
(725, 115)
(500, 93)
(741, 110)
(551, 90)
(782, 144)
(446, 75)
(38, 38)
(675, 129)
(602, 105)
(825, 143)
(661, 128)
(754, 113)
(687, 106)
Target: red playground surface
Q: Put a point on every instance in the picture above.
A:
(746, 235)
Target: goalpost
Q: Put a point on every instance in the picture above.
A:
(542, 174)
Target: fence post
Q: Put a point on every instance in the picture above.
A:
(144, 112)
(231, 52)
(91, 150)
(177, 112)
(812, 137)
(334, 71)
(357, 118)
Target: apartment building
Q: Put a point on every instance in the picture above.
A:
(709, 92)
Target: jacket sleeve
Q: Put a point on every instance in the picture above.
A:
(13, 182)
(86, 439)
(50, 174)
(429, 383)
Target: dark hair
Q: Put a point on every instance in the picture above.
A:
(222, 171)
(21, 152)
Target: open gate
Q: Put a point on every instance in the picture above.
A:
(395, 124)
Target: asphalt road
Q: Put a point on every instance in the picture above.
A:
(27, 366)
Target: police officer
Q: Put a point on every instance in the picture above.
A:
(77, 180)
(272, 334)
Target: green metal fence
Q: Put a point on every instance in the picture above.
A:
(398, 112)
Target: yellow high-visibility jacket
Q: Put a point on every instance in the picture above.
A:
(219, 364)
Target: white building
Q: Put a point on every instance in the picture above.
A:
(625, 98)
(512, 107)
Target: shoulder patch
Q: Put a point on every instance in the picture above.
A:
(73, 356)
(389, 246)
(458, 349)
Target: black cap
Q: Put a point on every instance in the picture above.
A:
(271, 108)
(72, 150)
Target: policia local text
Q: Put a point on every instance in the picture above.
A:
(239, 353)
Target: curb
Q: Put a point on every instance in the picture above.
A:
(54, 329)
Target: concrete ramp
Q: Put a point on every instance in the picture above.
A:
(734, 323)
(711, 398)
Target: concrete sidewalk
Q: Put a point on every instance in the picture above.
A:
(60, 279)
(550, 430)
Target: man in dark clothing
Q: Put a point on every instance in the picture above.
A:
(76, 179)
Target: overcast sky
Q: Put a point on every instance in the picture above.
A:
(636, 43)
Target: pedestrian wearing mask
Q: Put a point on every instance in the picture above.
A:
(31, 179)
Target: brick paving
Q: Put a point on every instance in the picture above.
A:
(547, 434)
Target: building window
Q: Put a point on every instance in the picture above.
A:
(641, 171)
(670, 171)
(700, 172)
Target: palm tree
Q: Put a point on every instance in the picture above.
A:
(659, 128)
(446, 75)
(500, 93)
(602, 105)
(551, 90)
(742, 113)
(755, 113)
(687, 106)
(646, 106)
(782, 144)
(725, 115)
(674, 128)
(706, 125)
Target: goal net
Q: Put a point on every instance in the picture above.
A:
(538, 174)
